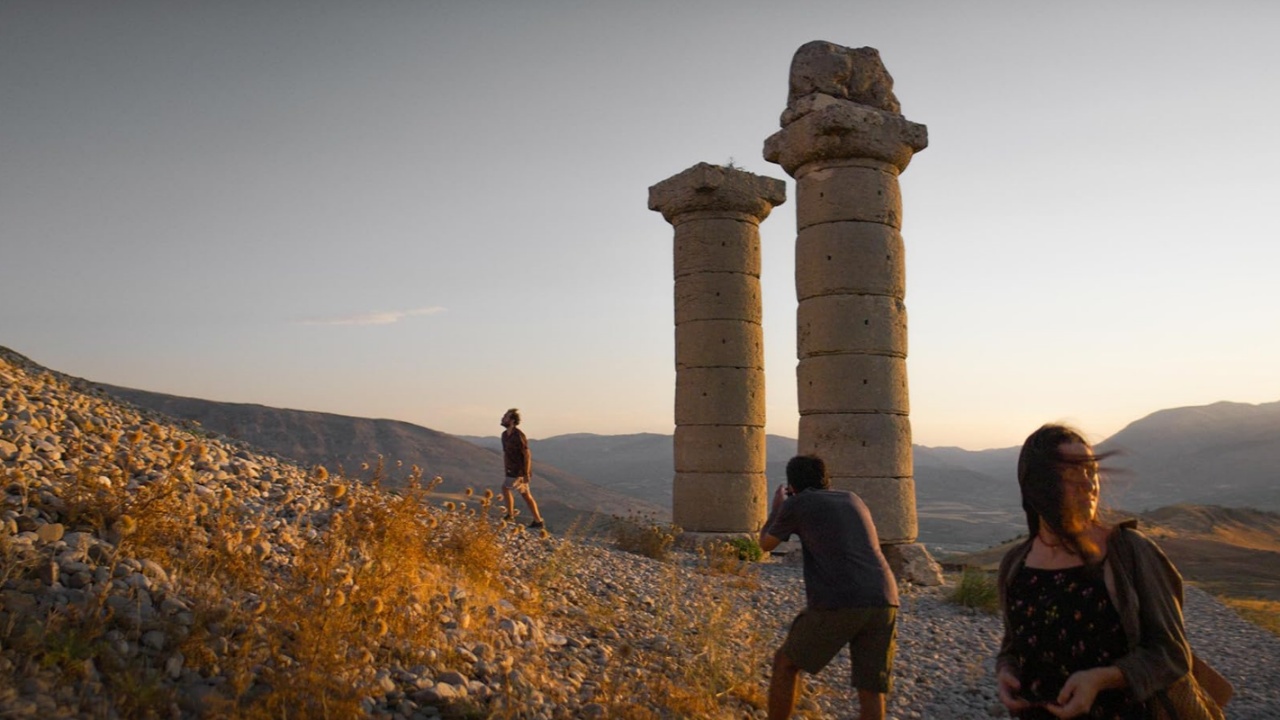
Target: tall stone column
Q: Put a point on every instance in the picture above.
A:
(845, 141)
(716, 211)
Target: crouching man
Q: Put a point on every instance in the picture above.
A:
(851, 594)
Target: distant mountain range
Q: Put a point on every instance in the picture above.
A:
(1225, 454)
(339, 441)
(1221, 454)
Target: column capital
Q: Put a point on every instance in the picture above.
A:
(826, 128)
(841, 106)
(706, 188)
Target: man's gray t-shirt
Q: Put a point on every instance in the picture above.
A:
(843, 565)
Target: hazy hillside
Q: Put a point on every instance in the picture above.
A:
(1227, 551)
(636, 465)
(1256, 529)
(998, 463)
(337, 440)
(1225, 454)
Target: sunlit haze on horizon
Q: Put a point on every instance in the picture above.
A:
(434, 211)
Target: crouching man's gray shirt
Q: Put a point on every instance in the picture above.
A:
(843, 565)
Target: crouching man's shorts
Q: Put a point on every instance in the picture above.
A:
(871, 633)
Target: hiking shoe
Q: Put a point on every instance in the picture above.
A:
(536, 524)
(506, 516)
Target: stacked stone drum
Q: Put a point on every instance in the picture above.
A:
(844, 141)
(719, 448)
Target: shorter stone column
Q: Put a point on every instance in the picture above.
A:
(719, 446)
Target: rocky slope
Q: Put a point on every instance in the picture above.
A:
(147, 569)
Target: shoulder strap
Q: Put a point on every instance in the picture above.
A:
(1166, 703)
(1218, 687)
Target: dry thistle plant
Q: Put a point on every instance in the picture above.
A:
(641, 534)
(720, 557)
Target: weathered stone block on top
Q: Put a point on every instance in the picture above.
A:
(720, 396)
(841, 130)
(852, 384)
(892, 502)
(854, 74)
(717, 296)
(851, 323)
(716, 245)
(719, 343)
(850, 257)
(719, 502)
(859, 445)
(842, 193)
(719, 448)
(714, 188)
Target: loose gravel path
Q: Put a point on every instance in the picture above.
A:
(945, 661)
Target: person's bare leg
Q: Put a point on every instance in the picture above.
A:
(510, 498)
(783, 686)
(870, 705)
(533, 506)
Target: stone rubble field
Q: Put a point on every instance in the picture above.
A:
(110, 608)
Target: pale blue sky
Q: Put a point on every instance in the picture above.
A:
(432, 211)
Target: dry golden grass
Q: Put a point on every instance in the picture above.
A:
(1263, 613)
(296, 597)
(721, 558)
(643, 535)
(300, 636)
(291, 640)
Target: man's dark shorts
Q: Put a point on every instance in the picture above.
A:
(871, 633)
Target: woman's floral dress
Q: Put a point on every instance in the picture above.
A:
(1063, 621)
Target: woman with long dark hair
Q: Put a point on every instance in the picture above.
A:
(1092, 612)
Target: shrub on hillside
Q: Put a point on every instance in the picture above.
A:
(728, 557)
(976, 589)
(748, 548)
(642, 535)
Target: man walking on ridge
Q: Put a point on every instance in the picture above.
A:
(851, 594)
(519, 468)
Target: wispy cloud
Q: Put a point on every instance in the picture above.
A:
(375, 318)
